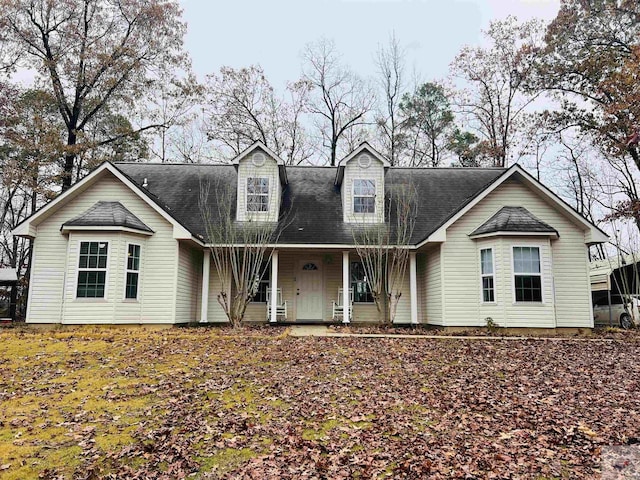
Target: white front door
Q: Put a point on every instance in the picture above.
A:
(309, 291)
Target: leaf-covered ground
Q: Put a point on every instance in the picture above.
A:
(205, 403)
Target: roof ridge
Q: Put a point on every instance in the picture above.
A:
(227, 164)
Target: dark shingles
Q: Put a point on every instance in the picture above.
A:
(513, 219)
(107, 214)
(314, 202)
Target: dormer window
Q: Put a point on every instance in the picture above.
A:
(257, 194)
(364, 196)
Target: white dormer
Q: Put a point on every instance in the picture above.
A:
(261, 178)
(360, 177)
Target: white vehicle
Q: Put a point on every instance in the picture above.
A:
(622, 315)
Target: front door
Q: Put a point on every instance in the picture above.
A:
(309, 291)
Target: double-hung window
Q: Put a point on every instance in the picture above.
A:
(487, 275)
(92, 270)
(263, 283)
(133, 271)
(364, 196)
(257, 194)
(527, 274)
(361, 290)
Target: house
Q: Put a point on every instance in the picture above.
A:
(126, 244)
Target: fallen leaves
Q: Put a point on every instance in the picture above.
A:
(173, 404)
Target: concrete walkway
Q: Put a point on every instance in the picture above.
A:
(323, 331)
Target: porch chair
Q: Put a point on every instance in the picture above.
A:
(338, 308)
(281, 307)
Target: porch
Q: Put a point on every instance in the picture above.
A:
(310, 282)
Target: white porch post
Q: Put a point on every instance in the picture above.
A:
(346, 298)
(204, 305)
(413, 288)
(273, 316)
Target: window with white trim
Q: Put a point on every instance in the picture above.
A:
(487, 275)
(133, 272)
(257, 194)
(364, 196)
(527, 274)
(92, 269)
(263, 283)
(361, 290)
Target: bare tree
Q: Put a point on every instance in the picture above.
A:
(92, 55)
(242, 107)
(241, 251)
(383, 248)
(390, 62)
(496, 98)
(340, 99)
(173, 107)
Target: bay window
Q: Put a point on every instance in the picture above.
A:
(487, 275)
(527, 274)
(92, 269)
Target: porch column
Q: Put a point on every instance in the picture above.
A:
(273, 317)
(206, 268)
(413, 288)
(346, 298)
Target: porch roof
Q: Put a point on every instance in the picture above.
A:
(312, 196)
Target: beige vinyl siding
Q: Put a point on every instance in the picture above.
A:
(496, 310)
(246, 169)
(403, 310)
(128, 310)
(571, 274)
(286, 275)
(54, 256)
(352, 171)
(421, 269)
(215, 312)
(332, 282)
(47, 278)
(564, 259)
(189, 284)
(432, 286)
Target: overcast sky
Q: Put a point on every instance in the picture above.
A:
(272, 33)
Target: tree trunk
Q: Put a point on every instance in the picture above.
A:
(69, 159)
(334, 146)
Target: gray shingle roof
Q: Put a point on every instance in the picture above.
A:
(314, 201)
(107, 214)
(513, 219)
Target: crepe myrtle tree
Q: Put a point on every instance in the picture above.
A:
(241, 251)
(383, 248)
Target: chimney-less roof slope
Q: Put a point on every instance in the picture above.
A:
(314, 200)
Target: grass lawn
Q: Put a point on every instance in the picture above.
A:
(205, 403)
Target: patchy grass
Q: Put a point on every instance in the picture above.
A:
(215, 403)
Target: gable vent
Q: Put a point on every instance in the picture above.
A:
(258, 159)
(364, 161)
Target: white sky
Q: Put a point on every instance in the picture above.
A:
(272, 33)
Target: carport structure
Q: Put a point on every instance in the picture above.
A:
(617, 276)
